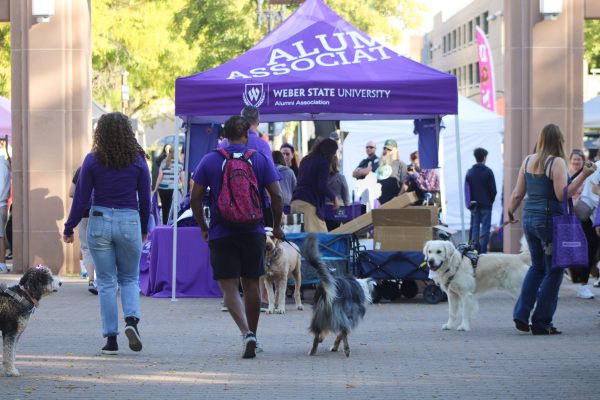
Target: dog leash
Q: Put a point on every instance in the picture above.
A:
(293, 246)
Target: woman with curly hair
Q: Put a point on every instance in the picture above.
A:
(115, 171)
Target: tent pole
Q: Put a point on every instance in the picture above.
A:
(174, 204)
(461, 194)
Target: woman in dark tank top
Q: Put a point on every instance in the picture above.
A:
(542, 177)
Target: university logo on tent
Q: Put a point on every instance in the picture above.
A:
(254, 94)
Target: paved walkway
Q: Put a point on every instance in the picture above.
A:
(191, 351)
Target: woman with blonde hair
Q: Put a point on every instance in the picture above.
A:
(542, 177)
(117, 173)
(391, 171)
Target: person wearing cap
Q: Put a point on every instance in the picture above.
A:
(371, 163)
(311, 189)
(391, 171)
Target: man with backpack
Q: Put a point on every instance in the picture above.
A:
(237, 177)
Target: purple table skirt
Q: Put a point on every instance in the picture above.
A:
(194, 272)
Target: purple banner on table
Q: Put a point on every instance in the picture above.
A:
(343, 213)
(194, 272)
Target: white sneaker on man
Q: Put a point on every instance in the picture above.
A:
(584, 292)
(3, 268)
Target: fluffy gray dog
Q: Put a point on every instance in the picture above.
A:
(340, 301)
(17, 303)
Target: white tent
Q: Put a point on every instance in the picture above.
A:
(591, 113)
(479, 127)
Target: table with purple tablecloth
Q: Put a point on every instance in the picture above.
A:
(194, 272)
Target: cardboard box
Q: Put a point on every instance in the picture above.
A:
(401, 238)
(409, 216)
(365, 220)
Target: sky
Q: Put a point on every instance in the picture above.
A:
(448, 8)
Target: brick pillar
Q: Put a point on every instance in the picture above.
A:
(51, 117)
(543, 75)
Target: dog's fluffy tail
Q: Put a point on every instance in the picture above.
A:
(310, 251)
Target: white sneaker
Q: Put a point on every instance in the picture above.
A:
(3, 268)
(584, 292)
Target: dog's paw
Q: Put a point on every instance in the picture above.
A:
(270, 310)
(463, 327)
(300, 307)
(279, 311)
(13, 372)
(334, 349)
(446, 327)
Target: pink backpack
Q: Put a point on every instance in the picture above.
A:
(239, 201)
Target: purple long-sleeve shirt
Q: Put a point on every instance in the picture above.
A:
(312, 183)
(127, 187)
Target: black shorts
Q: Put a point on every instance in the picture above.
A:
(238, 256)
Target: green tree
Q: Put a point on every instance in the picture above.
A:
(137, 37)
(592, 43)
(5, 59)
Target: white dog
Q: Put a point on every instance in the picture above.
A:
(282, 261)
(462, 283)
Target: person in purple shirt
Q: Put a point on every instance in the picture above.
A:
(312, 189)
(237, 252)
(252, 115)
(116, 171)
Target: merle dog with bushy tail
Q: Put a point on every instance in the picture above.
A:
(340, 301)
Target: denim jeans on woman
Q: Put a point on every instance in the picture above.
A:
(115, 241)
(541, 284)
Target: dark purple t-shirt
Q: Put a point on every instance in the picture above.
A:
(254, 142)
(127, 187)
(208, 174)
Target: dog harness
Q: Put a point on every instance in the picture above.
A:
(470, 253)
(28, 302)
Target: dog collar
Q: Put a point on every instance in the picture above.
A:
(29, 297)
(22, 300)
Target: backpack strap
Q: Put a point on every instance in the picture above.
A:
(222, 151)
(249, 153)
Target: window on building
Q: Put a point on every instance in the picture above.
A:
(478, 21)
(470, 74)
(454, 39)
(485, 22)
(477, 73)
(464, 75)
(444, 44)
(459, 41)
(464, 31)
(470, 31)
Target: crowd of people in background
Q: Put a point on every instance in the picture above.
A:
(112, 187)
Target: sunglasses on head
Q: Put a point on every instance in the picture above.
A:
(387, 148)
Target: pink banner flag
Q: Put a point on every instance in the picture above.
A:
(487, 87)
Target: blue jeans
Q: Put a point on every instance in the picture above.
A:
(115, 241)
(481, 217)
(541, 284)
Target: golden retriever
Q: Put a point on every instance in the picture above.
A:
(456, 276)
(282, 260)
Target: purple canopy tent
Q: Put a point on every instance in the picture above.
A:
(5, 115)
(317, 66)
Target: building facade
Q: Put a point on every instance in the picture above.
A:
(451, 46)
